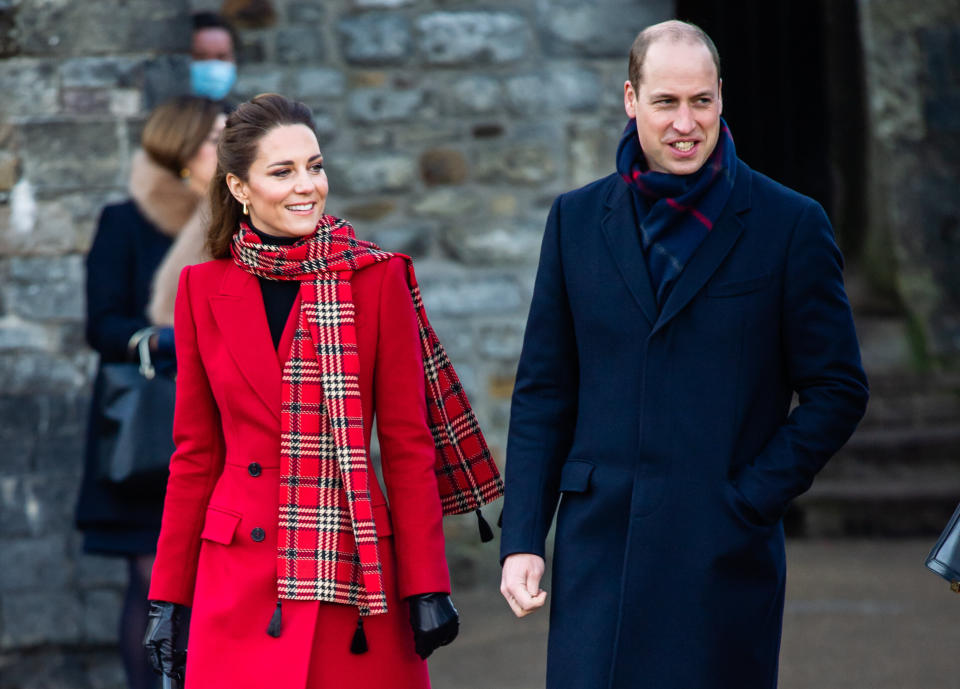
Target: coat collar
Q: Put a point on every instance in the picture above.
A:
(160, 195)
(619, 229)
(239, 312)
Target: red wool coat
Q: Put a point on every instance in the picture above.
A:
(218, 544)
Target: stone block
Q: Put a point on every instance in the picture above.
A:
(501, 341)
(386, 4)
(412, 240)
(301, 45)
(472, 38)
(125, 102)
(373, 210)
(450, 203)
(67, 155)
(164, 77)
(85, 101)
(18, 435)
(458, 293)
(32, 561)
(590, 151)
(37, 505)
(443, 166)
(474, 95)
(37, 618)
(309, 13)
(254, 79)
(47, 288)
(110, 27)
(319, 82)
(523, 163)
(596, 28)
(385, 105)
(494, 244)
(60, 445)
(102, 72)
(101, 610)
(55, 227)
(29, 87)
(375, 39)
(570, 88)
(24, 372)
(370, 174)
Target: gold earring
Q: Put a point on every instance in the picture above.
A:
(245, 211)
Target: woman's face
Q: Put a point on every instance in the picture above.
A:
(286, 186)
(203, 164)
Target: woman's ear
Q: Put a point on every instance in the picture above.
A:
(237, 187)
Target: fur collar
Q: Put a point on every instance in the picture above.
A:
(160, 195)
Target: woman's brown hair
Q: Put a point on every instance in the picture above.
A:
(236, 152)
(177, 128)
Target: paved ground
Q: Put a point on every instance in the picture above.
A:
(860, 615)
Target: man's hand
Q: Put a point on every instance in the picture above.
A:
(520, 583)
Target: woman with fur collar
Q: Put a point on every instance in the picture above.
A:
(139, 249)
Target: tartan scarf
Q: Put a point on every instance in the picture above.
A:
(327, 541)
(682, 208)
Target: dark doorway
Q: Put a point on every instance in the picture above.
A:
(793, 96)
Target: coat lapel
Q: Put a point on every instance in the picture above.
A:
(620, 230)
(239, 313)
(711, 252)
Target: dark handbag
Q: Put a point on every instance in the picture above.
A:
(944, 559)
(135, 421)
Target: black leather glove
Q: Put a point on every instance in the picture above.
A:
(166, 622)
(434, 620)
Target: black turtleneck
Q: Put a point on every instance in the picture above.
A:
(278, 295)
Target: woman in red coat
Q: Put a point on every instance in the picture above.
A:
(299, 572)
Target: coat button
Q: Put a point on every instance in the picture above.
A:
(258, 534)
(254, 469)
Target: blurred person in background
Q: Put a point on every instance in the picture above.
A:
(213, 70)
(161, 226)
(277, 537)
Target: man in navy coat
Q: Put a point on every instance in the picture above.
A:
(679, 305)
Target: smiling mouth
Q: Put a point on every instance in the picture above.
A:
(684, 146)
(301, 207)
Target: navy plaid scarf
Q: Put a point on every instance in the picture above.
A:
(682, 208)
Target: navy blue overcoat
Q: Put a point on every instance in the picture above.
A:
(670, 437)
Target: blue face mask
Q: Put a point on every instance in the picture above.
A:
(212, 78)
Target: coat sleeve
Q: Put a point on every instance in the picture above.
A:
(111, 308)
(544, 406)
(195, 466)
(822, 362)
(406, 443)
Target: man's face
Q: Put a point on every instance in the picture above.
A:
(677, 106)
(214, 43)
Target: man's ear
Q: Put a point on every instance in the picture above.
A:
(237, 187)
(629, 99)
(720, 95)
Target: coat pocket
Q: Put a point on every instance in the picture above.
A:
(220, 525)
(735, 288)
(575, 476)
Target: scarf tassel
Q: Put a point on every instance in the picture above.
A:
(359, 643)
(486, 533)
(273, 629)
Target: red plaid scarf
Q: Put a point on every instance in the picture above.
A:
(327, 541)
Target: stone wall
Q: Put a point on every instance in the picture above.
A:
(912, 65)
(448, 127)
